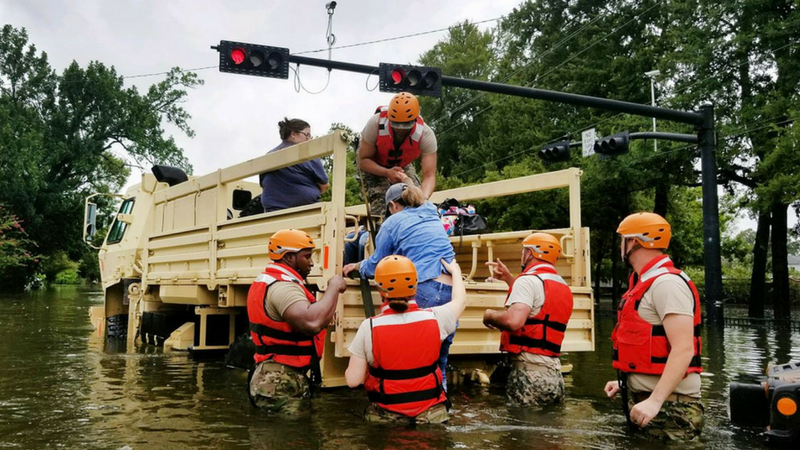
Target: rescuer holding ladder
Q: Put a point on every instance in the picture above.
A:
(288, 325)
(538, 307)
(657, 342)
(393, 138)
(395, 354)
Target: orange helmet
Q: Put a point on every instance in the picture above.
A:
(288, 241)
(396, 277)
(544, 246)
(649, 229)
(404, 107)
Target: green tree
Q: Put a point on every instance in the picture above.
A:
(62, 134)
(743, 54)
(17, 252)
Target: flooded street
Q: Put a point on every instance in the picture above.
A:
(62, 386)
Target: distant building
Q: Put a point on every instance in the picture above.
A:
(794, 262)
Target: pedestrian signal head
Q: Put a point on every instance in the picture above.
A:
(544, 246)
(648, 229)
(288, 241)
(396, 277)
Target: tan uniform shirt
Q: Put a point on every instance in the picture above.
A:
(668, 294)
(529, 290)
(281, 296)
(362, 342)
(427, 142)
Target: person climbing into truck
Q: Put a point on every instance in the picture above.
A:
(656, 341)
(393, 138)
(414, 230)
(288, 325)
(538, 307)
(395, 354)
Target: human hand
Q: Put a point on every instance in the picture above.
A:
(349, 268)
(452, 267)
(500, 271)
(487, 319)
(338, 283)
(643, 412)
(611, 389)
(396, 175)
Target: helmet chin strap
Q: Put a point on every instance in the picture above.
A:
(626, 257)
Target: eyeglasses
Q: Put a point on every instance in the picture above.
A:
(305, 133)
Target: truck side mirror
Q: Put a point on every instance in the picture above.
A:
(90, 221)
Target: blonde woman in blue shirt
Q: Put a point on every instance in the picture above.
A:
(414, 230)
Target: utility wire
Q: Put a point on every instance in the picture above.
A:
(439, 30)
(462, 121)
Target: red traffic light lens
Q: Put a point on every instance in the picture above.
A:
(238, 55)
(398, 75)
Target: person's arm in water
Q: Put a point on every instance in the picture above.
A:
(311, 318)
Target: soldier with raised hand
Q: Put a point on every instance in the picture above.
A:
(538, 307)
(288, 325)
(656, 341)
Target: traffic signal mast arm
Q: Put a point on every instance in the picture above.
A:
(702, 120)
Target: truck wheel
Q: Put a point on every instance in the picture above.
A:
(117, 327)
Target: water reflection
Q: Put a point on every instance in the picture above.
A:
(62, 385)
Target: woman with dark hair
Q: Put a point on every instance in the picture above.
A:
(395, 354)
(415, 231)
(297, 185)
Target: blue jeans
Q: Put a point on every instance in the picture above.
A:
(354, 251)
(431, 293)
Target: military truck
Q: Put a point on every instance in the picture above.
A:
(177, 262)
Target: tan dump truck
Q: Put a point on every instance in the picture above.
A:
(176, 264)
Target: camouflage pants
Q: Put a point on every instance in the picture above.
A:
(376, 188)
(677, 420)
(434, 414)
(276, 388)
(537, 386)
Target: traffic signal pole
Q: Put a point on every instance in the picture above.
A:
(703, 121)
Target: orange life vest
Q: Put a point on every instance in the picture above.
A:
(543, 333)
(274, 339)
(386, 154)
(640, 347)
(405, 377)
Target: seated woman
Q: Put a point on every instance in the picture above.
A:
(395, 354)
(297, 185)
(415, 231)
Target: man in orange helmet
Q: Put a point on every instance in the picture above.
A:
(656, 341)
(396, 353)
(288, 324)
(538, 307)
(393, 138)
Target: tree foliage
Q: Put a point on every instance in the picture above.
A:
(63, 136)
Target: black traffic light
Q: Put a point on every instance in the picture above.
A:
(555, 152)
(253, 59)
(616, 144)
(414, 79)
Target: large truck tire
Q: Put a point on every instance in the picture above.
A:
(117, 327)
(749, 406)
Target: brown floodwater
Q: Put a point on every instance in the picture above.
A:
(62, 386)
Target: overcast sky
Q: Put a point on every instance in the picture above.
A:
(236, 116)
